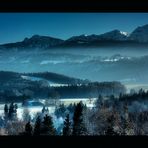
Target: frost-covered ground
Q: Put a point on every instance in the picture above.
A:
(88, 101)
(33, 110)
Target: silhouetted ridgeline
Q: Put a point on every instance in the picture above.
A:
(111, 38)
(57, 78)
(14, 86)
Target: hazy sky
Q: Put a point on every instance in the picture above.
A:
(17, 26)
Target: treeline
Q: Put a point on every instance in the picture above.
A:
(45, 127)
(43, 124)
(115, 116)
(13, 87)
(9, 96)
(53, 77)
(15, 90)
(80, 91)
(111, 116)
(57, 78)
(91, 90)
(139, 96)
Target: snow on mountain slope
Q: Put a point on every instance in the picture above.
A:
(140, 34)
(124, 33)
(114, 35)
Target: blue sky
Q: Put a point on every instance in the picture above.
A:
(16, 26)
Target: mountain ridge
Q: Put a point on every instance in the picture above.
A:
(139, 35)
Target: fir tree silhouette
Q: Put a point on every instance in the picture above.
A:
(67, 126)
(78, 124)
(48, 127)
(37, 127)
(28, 129)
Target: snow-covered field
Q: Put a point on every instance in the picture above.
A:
(89, 102)
(33, 110)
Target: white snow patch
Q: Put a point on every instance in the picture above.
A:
(25, 77)
(50, 62)
(32, 110)
(124, 33)
(111, 60)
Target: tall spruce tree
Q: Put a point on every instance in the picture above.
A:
(28, 129)
(127, 124)
(12, 113)
(67, 126)
(6, 109)
(37, 127)
(110, 128)
(78, 124)
(43, 109)
(48, 127)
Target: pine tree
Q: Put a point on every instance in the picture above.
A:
(48, 127)
(6, 109)
(67, 126)
(12, 111)
(43, 109)
(60, 111)
(15, 108)
(99, 102)
(127, 124)
(110, 128)
(28, 129)
(37, 127)
(78, 124)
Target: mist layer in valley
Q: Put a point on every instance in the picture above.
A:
(127, 65)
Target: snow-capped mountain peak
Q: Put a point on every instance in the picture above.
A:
(117, 37)
(114, 35)
(124, 33)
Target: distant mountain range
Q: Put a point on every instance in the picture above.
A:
(115, 37)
